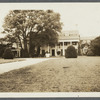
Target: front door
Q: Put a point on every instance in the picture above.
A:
(53, 52)
(43, 52)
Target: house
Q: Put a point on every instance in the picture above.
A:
(65, 39)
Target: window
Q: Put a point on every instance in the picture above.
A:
(66, 43)
(74, 43)
(61, 43)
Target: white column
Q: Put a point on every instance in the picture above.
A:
(48, 47)
(19, 53)
(40, 50)
(70, 42)
(63, 49)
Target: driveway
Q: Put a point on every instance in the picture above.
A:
(5, 67)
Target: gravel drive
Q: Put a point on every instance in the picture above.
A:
(5, 67)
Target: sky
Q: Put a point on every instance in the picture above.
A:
(84, 17)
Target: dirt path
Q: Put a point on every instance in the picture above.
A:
(55, 75)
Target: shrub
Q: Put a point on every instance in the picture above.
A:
(58, 52)
(90, 53)
(47, 52)
(8, 54)
(71, 52)
(2, 49)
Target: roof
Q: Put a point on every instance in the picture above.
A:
(88, 38)
(70, 35)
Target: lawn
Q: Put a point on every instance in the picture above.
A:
(80, 74)
(10, 60)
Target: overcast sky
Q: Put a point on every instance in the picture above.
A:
(82, 16)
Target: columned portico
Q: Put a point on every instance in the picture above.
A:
(64, 41)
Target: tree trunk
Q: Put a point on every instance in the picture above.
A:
(32, 51)
(38, 50)
(26, 54)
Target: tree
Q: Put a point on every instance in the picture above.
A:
(95, 46)
(47, 31)
(24, 24)
(17, 24)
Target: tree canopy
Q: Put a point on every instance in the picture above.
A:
(95, 46)
(36, 26)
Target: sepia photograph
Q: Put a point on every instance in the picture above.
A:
(50, 48)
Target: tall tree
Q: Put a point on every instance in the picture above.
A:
(23, 24)
(47, 30)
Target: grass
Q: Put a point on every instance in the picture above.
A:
(80, 74)
(2, 61)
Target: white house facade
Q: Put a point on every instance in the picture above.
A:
(68, 38)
